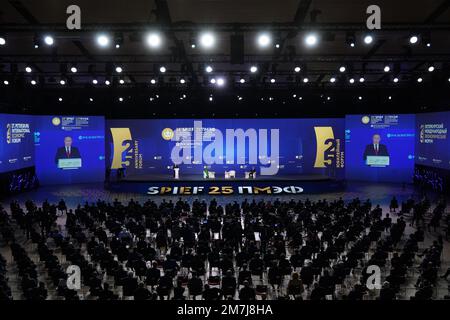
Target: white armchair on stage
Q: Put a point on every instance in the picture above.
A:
(230, 174)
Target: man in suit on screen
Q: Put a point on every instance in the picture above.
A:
(375, 148)
(68, 151)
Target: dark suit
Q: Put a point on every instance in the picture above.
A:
(370, 151)
(62, 154)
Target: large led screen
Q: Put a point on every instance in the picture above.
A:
(270, 147)
(380, 147)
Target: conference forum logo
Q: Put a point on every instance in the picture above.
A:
(122, 147)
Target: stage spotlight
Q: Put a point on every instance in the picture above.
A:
(332, 79)
(162, 69)
(342, 69)
(368, 39)
(28, 69)
(94, 81)
(212, 81)
(351, 80)
(305, 80)
(6, 82)
(207, 40)
(103, 40)
(62, 82)
(413, 39)
(107, 82)
(182, 81)
(430, 68)
(395, 80)
(419, 80)
(311, 40)
(49, 40)
(119, 69)
(220, 82)
(362, 79)
(297, 69)
(153, 81)
(73, 69)
(154, 40)
(242, 80)
(253, 69)
(121, 81)
(33, 82)
(2, 41)
(272, 80)
(387, 69)
(209, 69)
(264, 40)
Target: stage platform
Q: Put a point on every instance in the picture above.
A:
(199, 178)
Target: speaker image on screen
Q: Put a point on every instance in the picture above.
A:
(237, 49)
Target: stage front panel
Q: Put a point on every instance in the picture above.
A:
(271, 147)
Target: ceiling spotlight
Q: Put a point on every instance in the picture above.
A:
(342, 68)
(153, 40)
(368, 39)
(277, 46)
(264, 40)
(6, 82)
(359, 98)
(49, 40)
(351, 80)
(332, 79)
(328, 98)
(220, 82)
(311, 40)
(390, 97)
(207, 40)
(121, 81)
(153, 81)
(33, 82)
(119, 69)
(60, 99)
(28, 69)
(73, 69)
(305, 80)
(2, 41)
(107, 82)
(395, 80)
(91, 99)
(419, 80)
(210, 98)
(62, 82)
(120, 99)
(103, 40)
(362, 79)
(162, 69)
(352, 44)
(213, 80)
(209, 69)
(242, 80)
(94, 81)
(117, 46)
(297, 69)
(413, 39)
(272, 80)
(428, 44)
(182, 81)
(430, 68)
(387, 69)
(253, 69)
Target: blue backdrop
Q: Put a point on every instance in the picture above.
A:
(303, 146)
(432, 141)
(87, 133)
(16, 142)
(397, 133)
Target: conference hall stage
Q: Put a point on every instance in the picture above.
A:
(190, 184)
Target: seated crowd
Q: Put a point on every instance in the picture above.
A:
(176, 250)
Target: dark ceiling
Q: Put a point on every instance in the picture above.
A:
(23, 23)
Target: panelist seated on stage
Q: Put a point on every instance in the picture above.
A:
(250, 174)
(208, 174)
(375, 148)
(68, 151)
